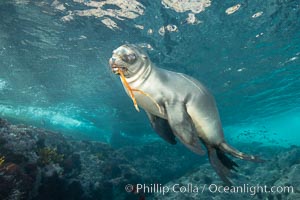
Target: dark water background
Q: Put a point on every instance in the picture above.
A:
(54, 69)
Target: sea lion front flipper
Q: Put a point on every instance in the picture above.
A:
(162, 128)
(183, 127)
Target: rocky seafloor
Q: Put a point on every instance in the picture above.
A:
(37, 164)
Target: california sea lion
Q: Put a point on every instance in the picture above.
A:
(178, 106)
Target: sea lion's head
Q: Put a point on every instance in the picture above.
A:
(128, 58)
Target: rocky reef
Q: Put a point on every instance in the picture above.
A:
(39, 164)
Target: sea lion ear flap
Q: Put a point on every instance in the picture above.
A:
(144, 56)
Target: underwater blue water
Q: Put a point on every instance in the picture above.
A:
(54, 70)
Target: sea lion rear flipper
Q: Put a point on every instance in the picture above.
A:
(162, 128)
(183, 127)
(236, 153)
(221, 164)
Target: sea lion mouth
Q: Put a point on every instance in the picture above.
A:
(116, 68)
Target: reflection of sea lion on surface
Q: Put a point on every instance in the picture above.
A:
(178, 106)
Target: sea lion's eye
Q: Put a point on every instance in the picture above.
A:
(130, 58)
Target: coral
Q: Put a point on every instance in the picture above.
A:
(49, 155)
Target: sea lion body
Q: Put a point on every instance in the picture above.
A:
(168, 87)
(178, 106)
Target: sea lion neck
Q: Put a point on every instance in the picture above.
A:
(141, 75)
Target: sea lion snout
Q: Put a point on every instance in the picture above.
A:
(119, 60)
(113, 65)
(112, 61)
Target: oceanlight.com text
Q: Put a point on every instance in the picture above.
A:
(211, 188)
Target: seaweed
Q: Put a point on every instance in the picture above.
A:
(2, 160)
(49, 155)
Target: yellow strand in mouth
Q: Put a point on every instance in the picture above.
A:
(131, 90)
(127, 86)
